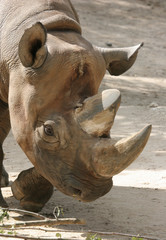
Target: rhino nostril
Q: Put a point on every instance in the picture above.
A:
(74, 188)
(76, 192)
(105, 135)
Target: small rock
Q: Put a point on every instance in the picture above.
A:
(153, 105)
(109, 44)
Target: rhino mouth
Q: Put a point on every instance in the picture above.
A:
(87, 190)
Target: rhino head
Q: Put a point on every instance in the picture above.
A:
(58, 117)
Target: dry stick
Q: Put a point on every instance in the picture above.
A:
(43, 221)
(46, 221)
(92, 232)
(30, 238)
(122, 234)
(24, 212)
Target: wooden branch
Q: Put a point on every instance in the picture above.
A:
(33, 214)
(43, 220)
(88, 232)
(122, 234)
(31, 238)
(46, 221)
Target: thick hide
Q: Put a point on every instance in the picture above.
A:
(49, 80)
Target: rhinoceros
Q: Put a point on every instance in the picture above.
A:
(49, 80)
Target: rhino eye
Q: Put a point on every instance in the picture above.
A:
(48, 130)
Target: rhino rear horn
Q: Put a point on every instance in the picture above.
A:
(98, 112)
(119, 60)
(32, 49)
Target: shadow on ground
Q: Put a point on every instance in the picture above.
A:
(123, 210)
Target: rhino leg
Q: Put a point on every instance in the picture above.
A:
(32, 190)
(4, 130)
(4, 178)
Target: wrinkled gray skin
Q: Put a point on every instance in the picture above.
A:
(47, 70)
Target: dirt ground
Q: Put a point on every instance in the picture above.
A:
(137, 202)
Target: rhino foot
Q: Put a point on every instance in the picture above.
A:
(32, 190)
(3, 203)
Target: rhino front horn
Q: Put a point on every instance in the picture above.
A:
(110, 159)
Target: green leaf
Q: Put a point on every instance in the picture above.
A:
(3, 214)
(136, 238)
(93, 237)
(2, 231)
(58, 235)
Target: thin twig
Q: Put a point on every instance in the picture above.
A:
(39, 229)
(31, 238)
(88, 232)
(46, 221)
(43, 220)
(41, 217)
(122, 234)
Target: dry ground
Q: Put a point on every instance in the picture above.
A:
(137, 202)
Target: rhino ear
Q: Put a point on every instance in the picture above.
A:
(119, 60)
(32, 49)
